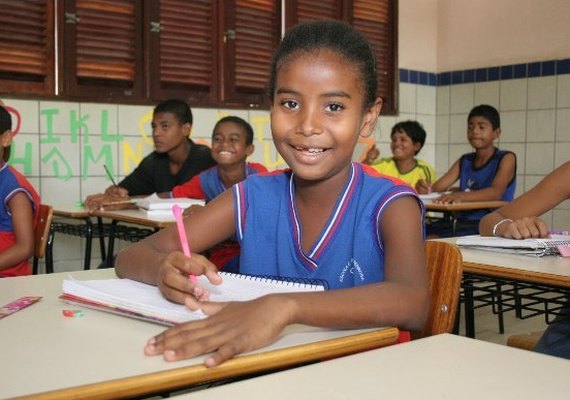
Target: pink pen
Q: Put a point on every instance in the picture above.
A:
(177, 210)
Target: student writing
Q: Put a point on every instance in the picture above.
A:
(406, 140)
(175, 160)
(326, 217)
(520, 220)
(19, 210)
(486, 174)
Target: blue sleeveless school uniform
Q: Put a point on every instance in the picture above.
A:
(349, 251)
(208, 185)
(471, 178)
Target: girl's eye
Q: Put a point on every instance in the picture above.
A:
(334, 107)
(291, 104)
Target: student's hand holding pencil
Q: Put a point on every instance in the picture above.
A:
(173, 275)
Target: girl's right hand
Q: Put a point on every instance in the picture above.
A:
(523, 228)
(423, 187)
(371, 155)
(173, 276)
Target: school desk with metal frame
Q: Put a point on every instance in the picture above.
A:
(451, 210)
(438, 367)
(46, 355)
(75, 220)
(529, 285)
(130, 216)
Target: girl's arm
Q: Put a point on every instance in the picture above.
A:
(158, 259)
(504, 175)
(451, 176)
(23, 222)
(524, 210)
(233, 328)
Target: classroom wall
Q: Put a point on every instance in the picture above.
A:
(512, 54)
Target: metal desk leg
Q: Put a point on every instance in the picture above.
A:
(469, 309)
(111, 245)
(88, 244)
(101, 238)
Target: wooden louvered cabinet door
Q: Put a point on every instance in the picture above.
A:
(27, 47)
(102, 49)
(182, 57)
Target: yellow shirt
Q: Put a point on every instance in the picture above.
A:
(422, 170)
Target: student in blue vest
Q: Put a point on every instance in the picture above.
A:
(519, 220)
(326, 217)
(232, 144)
(486, 174)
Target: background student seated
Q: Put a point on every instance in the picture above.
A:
(19, 209)
(407, 139)
(175, 160)
(324, 218)
(486, 174)
(232, 143)
(520, 220)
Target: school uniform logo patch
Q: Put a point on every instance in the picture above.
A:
(352, 271)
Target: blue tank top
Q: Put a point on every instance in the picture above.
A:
(471, 178)
(349, 251)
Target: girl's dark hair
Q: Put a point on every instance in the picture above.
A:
(5, 120)
(241, 122)
(179, 108)
(337, 36)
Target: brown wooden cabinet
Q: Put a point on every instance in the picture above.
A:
(212, 53)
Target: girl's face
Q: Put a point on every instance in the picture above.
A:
(317, 115)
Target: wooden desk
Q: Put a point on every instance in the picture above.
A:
(541, 277)
(451, 210)
(438, 367)
(100, 355)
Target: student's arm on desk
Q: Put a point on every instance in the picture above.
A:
(237, 327)
(524, 210)
(505, 174)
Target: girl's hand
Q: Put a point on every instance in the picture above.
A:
(423, 187)
(449, 198)
(231, 329)
(371, 155)
(524, 228)
(173, 276)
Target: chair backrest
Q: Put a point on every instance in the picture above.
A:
(41, 233)
(445, 269)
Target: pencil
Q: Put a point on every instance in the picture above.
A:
(177, 210)
(109, 174)
(117, 202)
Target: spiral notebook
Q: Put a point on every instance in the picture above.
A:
(142, 301)
(556, 244)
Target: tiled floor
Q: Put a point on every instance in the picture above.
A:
(487, 325)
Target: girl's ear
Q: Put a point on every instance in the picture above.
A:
(6, 138)
(370, 118)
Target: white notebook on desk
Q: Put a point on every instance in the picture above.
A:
(155, 204)
(537, 247)
(142, 301)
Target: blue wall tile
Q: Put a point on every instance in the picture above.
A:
(548, 68)
(507, 72)
(563, 66)
(404, 75)
(493, 73)
(519, 71)
(469, 76)
(534, 69)
(481, 75)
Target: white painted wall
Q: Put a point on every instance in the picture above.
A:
(446, 35)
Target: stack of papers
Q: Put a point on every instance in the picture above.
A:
(536, 247)
(155, 206)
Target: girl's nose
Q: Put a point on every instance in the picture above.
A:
(310, 122)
